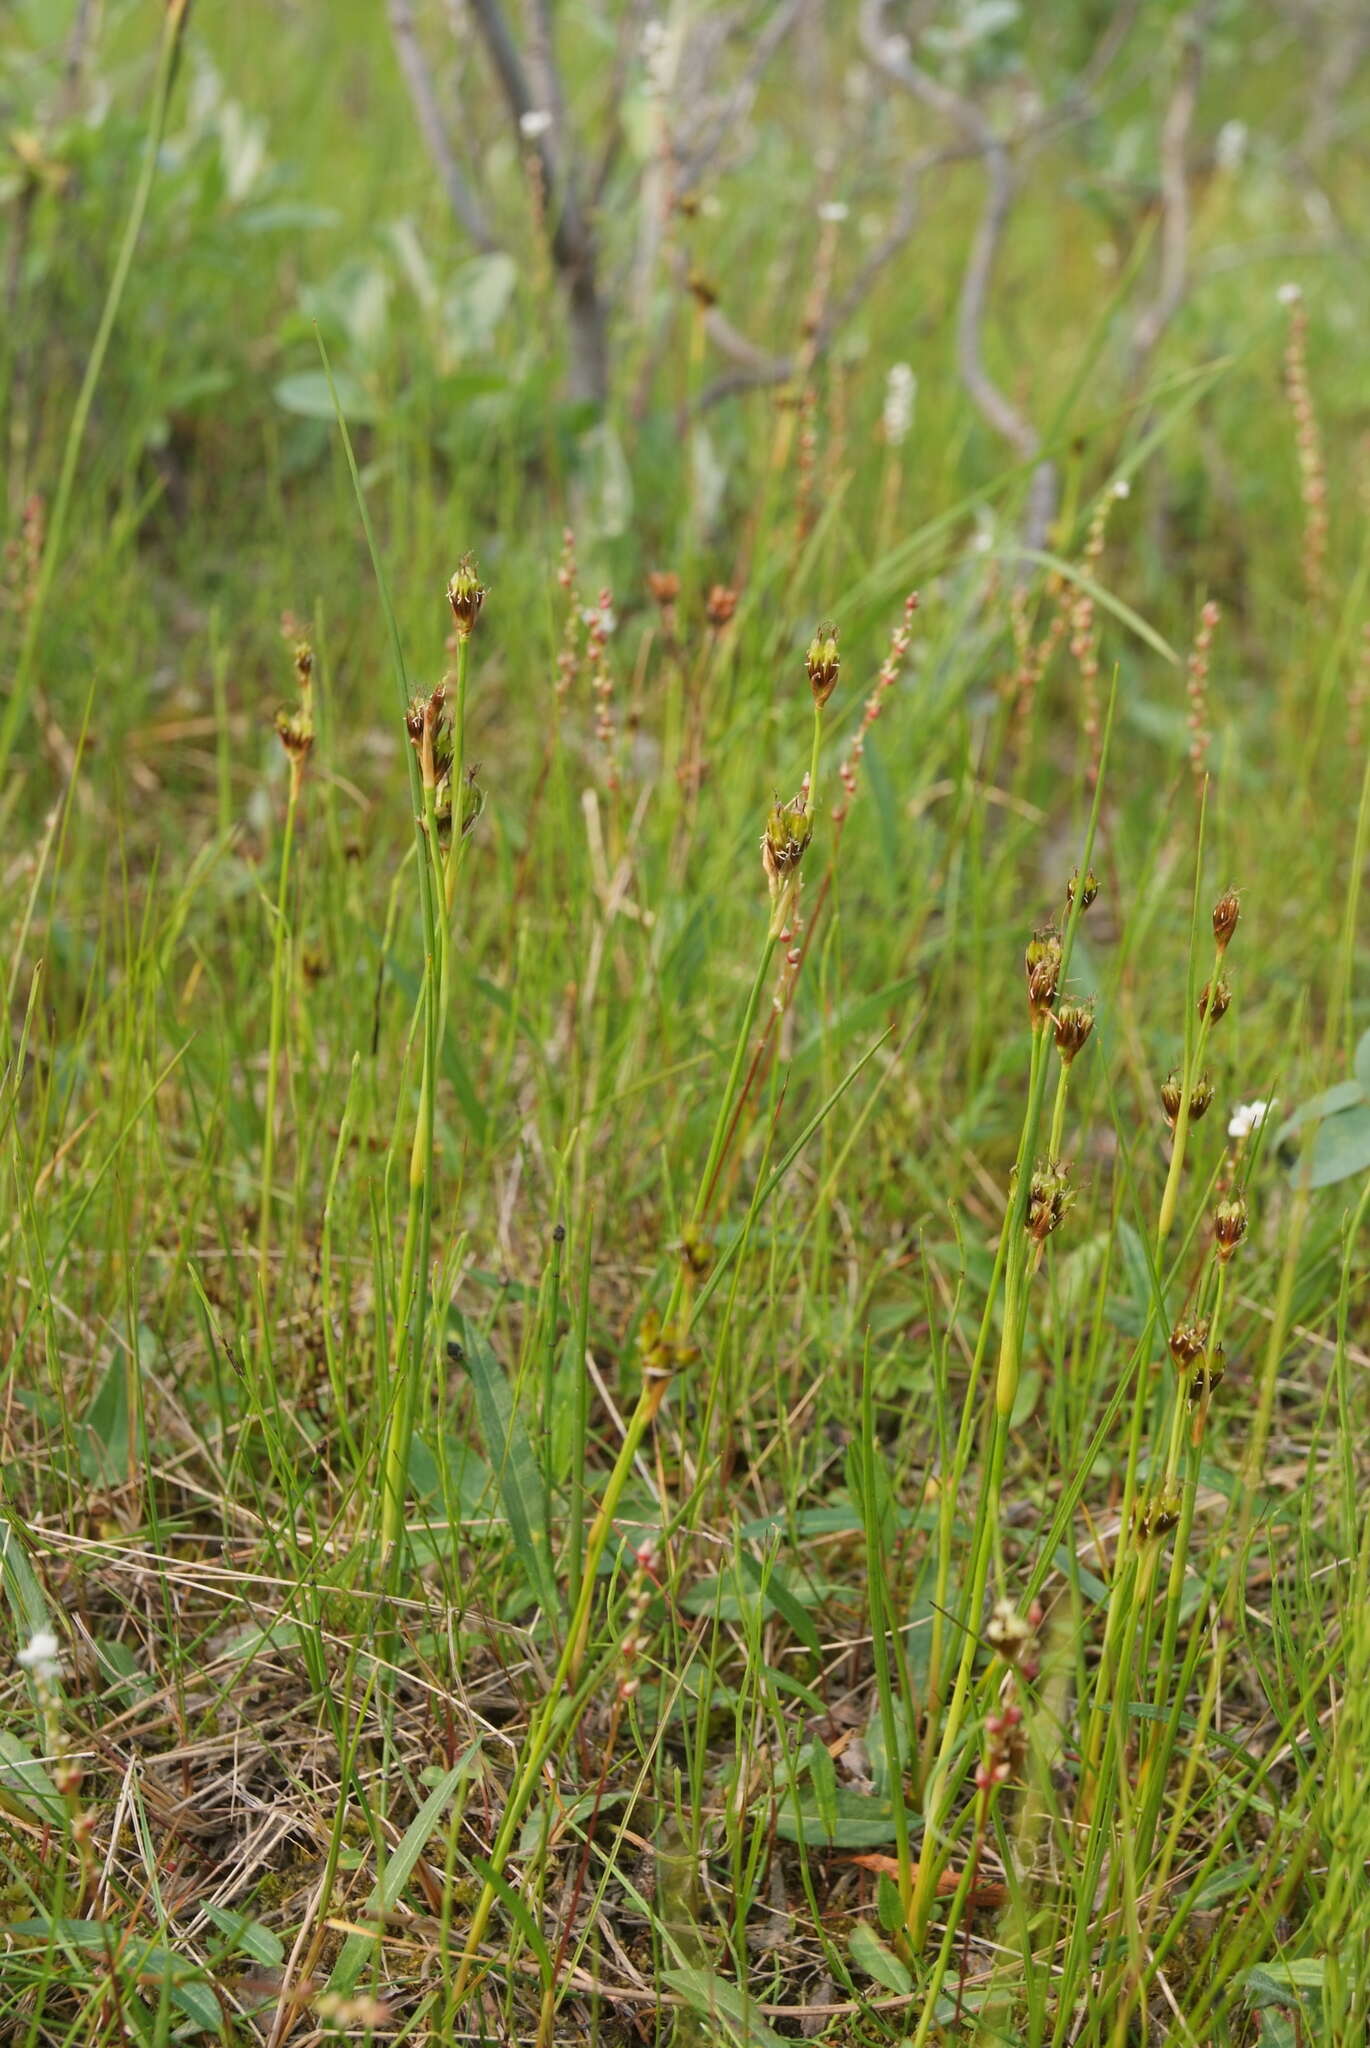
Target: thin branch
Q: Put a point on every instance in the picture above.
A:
(754, 366)
(890, 56)
(1153, 320)
(768, 40)
(569, 232)
(569, 229)
(417, 78)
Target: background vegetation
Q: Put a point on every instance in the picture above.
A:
(642, 1461)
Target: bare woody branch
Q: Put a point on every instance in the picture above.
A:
(891, 57)
(1175, 209)
(418, 81)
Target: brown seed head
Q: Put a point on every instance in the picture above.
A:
(1171, 1097)
(1229, 1225)
(1155, 1514)
(295, 729)
(1200, 1098)
(695, 1251)
(720, 606)
(1215, 1000)
(1089, 889)
(1187, 1341)
(466, 595)
(1226, 911)
(1009, 1632)
(783, 843)
(1210, 1375)
(1042, 964)
(822, 663)
(1074, 1023)
(1049, 1197)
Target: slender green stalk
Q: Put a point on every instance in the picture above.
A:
(280, 959)
(21, 689)
(875, 1526)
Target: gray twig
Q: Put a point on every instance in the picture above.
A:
(414, 67)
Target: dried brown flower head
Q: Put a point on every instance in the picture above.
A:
(1226, 912)
(1215, 1000)
(1229, 1225)
(466, 594)
(1074, 1024)
(822, 663)
(1042, 965)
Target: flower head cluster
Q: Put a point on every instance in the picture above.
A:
(1248, 1117)
(466, 594)
(823, 664)
(42, 1655)
(295, 729)
(875, 703)
(901, 391)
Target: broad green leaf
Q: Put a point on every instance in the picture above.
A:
(823, 1779)
(125, 1674)
(196, 2000)
(517, 1473)
(305, 393)
(102, 1434)
(1361, 1063)
(25, 1785)
(478, 299)
(772, 1584)
(1341, 1148)
(730, 2011)
(398, 1871)
(856, 1820)
(1329, 1102)
(249, 1937)
(871, 1956)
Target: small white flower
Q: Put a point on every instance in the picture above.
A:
(534, 123)
(901, 389)
(1289, 294)
(42, 1655)
(602, 616)
(1229, 145)
(1121, 487)
(834, 211)
(1248, 1117)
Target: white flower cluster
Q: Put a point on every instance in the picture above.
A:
(42, 1655)
(1248, 1117)
(534, 123)
(901, 389)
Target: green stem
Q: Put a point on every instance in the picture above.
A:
(279, 952)
(721, 1124)
(880, 1626)
(557, 1709)
(22, 687)
(411, 1303)
(812, 799)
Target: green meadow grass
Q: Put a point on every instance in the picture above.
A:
(612, 1451)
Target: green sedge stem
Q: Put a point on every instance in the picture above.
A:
(22, 687)
(279, 952)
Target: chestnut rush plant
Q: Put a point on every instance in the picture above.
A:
(684, 1320)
